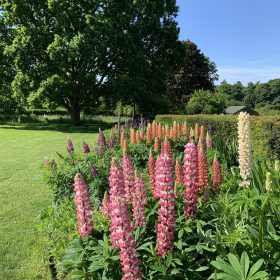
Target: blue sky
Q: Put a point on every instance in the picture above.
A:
(241, 36)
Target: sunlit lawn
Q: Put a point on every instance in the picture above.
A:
(23, 193)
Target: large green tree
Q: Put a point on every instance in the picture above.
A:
(70, 52)
(196, 72)
(7, 102)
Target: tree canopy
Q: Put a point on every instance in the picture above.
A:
(70, 53)
(197, 72)
(255, 95)
(7, 102)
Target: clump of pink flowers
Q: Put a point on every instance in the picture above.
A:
(84, 213)
(139, 201)
(120, 225)
(165, 192)
(190, 180)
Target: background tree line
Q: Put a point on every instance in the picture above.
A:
(265, 97)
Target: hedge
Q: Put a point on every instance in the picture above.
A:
(265, 129)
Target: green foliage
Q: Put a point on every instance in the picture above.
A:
(121, 109)
(205, 102)
(262, 95)
(265, 130)
(71, 53)
(58, 231)
(238, 269)
(7, 102)
(196, 72)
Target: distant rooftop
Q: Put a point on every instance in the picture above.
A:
(234, 110)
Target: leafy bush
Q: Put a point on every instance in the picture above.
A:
(205, 102)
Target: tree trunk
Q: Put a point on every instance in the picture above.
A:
(75, 115)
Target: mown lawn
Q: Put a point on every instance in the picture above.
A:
(23, 192)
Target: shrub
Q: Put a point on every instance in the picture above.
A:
(206, 102)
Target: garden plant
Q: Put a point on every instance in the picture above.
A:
(160, 201)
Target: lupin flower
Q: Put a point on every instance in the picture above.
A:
(154, 129)
(120, 225)
(179, 173)
(122, 139)
(93, 170)
(191, 135)
(165, 193)
(100, 143)
(217, 173)
(167, 131)
(171, 133)
(116, 201)
(159, 132)
(190, 180)
(86, 148)
(138, 137)
(156, 145)
(149, 135)
(208, 141)
(151, 169)
(277, 166)
(84, 214)
(70, 146)
(132, 136)
(202, 168)
(178, 131)
(245, 149)
(119, 128)
(166, 148)
(202, 133)
(111, 141)
(268, 182)
(139, 200)
(174, 132)
(128, 172)
(105, 205)
(185, 128)
(196, 131)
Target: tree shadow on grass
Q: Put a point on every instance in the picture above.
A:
(65, 128)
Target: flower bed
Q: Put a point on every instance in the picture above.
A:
(162, 202)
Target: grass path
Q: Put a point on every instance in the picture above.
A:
(23, 193)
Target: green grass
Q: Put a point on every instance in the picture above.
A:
(23, 193)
